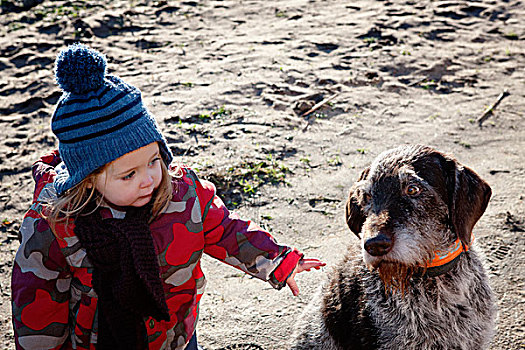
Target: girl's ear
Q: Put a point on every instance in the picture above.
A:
(91, 179)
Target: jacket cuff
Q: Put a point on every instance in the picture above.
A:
(280, 275)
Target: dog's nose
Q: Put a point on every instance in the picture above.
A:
(378, 245)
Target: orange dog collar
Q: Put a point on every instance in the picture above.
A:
(444, 261)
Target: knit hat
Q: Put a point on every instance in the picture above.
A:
(99, 117)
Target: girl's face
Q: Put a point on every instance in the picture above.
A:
(131, 179)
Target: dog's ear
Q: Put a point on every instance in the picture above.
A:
(354, 213)
(469, 196)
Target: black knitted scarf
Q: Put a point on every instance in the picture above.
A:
(125, 275)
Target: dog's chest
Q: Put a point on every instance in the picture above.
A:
(433, 315)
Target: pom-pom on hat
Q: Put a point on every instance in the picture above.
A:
(99, 117)
(79, 69)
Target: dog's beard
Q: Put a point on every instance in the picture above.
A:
(396, 277)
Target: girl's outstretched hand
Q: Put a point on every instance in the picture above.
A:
(303, 265)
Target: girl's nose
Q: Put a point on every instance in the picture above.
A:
(147, 181)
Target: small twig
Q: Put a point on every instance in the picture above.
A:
(315, 108)
(186, 151)
(417, 82)
(490, 109)
(319, 105)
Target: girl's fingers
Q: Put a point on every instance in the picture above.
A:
(293, 286)
(307, 264)
(303, 265)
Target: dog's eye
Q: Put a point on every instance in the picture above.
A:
(366, 197)
(412, 190)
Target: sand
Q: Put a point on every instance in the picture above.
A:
(230, 82)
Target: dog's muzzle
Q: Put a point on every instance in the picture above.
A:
(378, 245)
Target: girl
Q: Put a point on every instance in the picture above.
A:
(111, 246)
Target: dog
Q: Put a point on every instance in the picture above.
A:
(416, 282)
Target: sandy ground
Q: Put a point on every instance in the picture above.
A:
(230, 81)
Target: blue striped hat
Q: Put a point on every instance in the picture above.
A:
(99, 117)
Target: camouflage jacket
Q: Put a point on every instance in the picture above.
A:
(54, 305)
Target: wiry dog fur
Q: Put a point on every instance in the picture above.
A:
(411, 202)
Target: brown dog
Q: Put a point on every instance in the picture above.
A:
(417, 283)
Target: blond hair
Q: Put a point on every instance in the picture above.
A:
(75, 200)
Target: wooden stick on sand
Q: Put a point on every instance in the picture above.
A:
(315, 108)
(490, 109)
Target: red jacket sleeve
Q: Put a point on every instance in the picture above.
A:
(41, 276)
(242, 243)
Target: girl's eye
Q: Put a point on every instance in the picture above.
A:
(129, 176)
(153, 161)
(412, 190)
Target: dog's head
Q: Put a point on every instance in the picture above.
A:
(411, 202)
